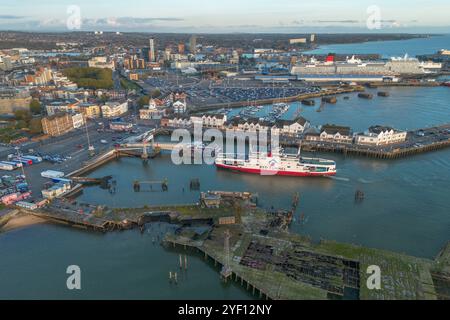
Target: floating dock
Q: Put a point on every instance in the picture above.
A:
(308, 102)
(364, 95)
(331, 100)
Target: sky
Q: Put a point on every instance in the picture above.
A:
(227, 15)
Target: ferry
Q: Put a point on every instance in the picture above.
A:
(276, 164)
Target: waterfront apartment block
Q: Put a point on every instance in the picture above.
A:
(90, 110)
(210, 120)
(176, 122)
(331, 133)
(57, 124)
(114, 109)
(380, 135)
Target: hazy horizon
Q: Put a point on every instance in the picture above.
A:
(231, 16)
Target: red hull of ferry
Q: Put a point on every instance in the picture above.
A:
(277, 173)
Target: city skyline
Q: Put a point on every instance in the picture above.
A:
(201, 16)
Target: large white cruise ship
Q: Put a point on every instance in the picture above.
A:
(355, 67)
(279, 163)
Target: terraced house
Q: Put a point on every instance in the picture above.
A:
(331, 133)
(380, 135)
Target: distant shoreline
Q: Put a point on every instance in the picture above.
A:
(280, 40)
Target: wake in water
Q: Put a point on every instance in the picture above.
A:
(339, 178)
(361, 180)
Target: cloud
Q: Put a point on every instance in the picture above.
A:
(106, 24)
(335, 21)
(10, 17)
(126, 22)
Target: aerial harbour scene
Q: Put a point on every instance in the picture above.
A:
(183, 155)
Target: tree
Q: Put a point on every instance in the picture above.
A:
(143, 101)
(155, 93)
(35, 106)
(35, 126)
(21, 124)
(95, 78)
(22, 115)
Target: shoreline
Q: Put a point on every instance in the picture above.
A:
(20, 221)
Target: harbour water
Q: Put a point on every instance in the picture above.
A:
(387, 49)
(406, 209)
(125, 265)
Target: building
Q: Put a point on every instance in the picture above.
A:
(234, 59)
(151, 112)
(133, 62)
(14, 197)
(41, 77)
(67, 105)
(5, 63)
(210, 120)
(152, 51)
(27, 205)
(101, 62)
(114, 109)
(290, 127)
(167, 54)
(251, 125)
(297, 41)
(133, 76)
(179, 106)
(56, 190)
(12, 99)
(227, 220)
(90, 110)
(209, 200)
(63, 82)
(176, 122)
(181, 48)
(331, 133)
(78, 120)
(380, 135)
(57, 124)
(193, 44)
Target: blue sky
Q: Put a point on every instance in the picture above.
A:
(226, 15)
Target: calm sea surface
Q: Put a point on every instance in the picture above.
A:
(389, 49)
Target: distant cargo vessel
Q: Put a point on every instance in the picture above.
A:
(279, 164)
